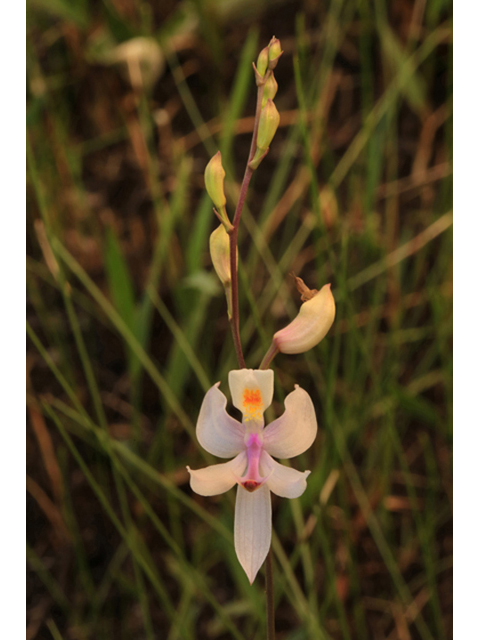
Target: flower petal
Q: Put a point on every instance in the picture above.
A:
(217, 478)
(217, 432)
(253, 528)
(283, 481)
(252, 391)
(295, 430)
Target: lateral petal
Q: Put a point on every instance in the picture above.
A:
(253, 528)
(283, 481)
(217, 478)
(217, 432)
(293, 432)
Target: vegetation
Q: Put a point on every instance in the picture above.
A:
(127, 102)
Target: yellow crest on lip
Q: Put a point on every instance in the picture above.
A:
(252, 403)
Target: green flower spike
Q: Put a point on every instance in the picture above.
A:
(267, 126)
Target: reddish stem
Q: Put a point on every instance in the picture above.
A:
(235, 319)
(269, 356)
(235, 325)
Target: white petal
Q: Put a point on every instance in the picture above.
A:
(252, 391)
(218, 478)
(283, 481)
(253, 528)
(295, 430)
(217, 432)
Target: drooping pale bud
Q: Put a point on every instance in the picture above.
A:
(270, 89)
(310, 326)
(214, 179)
(267, 126)
(274, 52)
(262, 61)
(220, 254)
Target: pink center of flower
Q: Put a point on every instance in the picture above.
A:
(252, 478)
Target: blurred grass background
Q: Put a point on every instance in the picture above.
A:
(127, 101)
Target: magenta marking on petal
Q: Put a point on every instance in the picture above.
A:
(252, 479)
(254, 440)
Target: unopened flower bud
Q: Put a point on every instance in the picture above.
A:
(262, 61)
(274, 52)
(214, 177)
(220, 254)
(270, 89)
(267, 126)
(310, 326)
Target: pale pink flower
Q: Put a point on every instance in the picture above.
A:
(252, 446)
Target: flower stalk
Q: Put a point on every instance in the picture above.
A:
(235, 320)
(269, 596)
(233, 231)
(269, 356)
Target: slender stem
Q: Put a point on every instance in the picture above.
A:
(270, 599)
(235, 325)
(235, 319)
(269, 356)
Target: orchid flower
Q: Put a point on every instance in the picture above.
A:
(251, 445)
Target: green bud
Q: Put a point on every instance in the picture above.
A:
(214, 177)
(267, 125)
(220, 254)
(270, 89)
(274, 52)
(262, 61)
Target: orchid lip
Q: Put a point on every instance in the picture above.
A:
(252, 479)
(252, 485)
